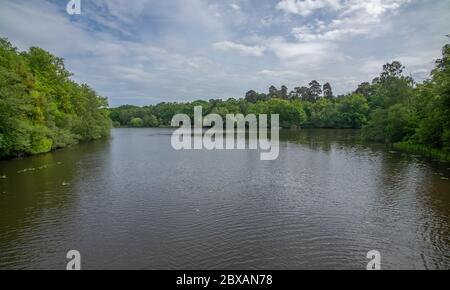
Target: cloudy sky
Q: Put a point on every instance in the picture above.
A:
(149, 51)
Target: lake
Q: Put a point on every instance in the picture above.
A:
(132, 202)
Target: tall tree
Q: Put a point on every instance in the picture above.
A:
(315, 90)
(302, 93)
(328, 91)
(391, 86)
(283, 93)
(365, 89)
(391, 70)
(273, 92)
(251, 96)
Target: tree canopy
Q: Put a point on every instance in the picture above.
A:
(391, 108)
(41, 108)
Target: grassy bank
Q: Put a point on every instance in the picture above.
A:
(423, 150)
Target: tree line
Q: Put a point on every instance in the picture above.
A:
(391, 108)
(41, 108)
(311, 108)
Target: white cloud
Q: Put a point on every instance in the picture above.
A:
(287, 50)
(306, 7)
(155, 51)
(243, 49)
(235, 7)
(421, 62)
(304, 56)
(109, 64)
(354, 18)
(374, 7)
(307, 33)
(283, 74)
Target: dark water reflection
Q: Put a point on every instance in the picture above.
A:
(133, 202)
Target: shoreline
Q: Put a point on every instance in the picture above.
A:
(425, 151)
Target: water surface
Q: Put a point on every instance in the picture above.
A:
(132, 202)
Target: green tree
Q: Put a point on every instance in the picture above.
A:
(137, 122)
(251, 97)
(328, 91)
(315, 91)
(303, 93)
(151, 121)
(283, 93)
(273, 92)
(401, 123)
(41, 108)
(353, 111)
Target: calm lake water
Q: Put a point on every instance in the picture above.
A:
(132, 202)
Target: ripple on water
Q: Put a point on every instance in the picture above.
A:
(321, 205)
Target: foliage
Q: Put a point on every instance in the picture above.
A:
(346, 112)
(416, 115)
(392, 108)
(41, 108)
(424, 150)
(137, 122)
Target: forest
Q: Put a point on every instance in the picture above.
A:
(41, 108)
(392, 108)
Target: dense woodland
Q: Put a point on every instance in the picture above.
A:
(295, 109)
(41, 108)
(392, 108)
